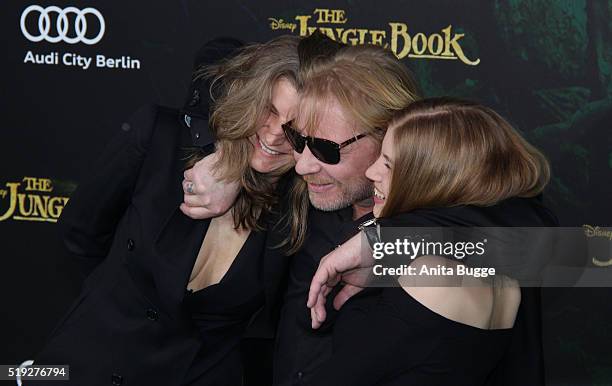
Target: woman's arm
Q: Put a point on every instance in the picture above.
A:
(346, 263)
(206, 195)
(352, 264)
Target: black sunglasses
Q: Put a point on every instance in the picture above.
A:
(323, 149)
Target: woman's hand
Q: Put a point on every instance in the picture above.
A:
(205, 196)
(347, 263)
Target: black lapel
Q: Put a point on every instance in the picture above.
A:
(178, 239)
(176, 249)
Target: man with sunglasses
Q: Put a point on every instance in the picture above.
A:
(331, 165)
(333, 184)
(345, 104)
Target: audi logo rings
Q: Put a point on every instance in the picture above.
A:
(44, 24)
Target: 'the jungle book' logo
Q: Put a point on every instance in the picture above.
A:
(443, 45)
(32, 199)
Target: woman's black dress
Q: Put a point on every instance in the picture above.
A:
(220, 312)
(389, 338)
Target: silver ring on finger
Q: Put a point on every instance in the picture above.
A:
(189, 187)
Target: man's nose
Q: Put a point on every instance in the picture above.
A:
(306, 163)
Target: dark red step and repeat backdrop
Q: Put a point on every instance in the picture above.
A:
(71, 71)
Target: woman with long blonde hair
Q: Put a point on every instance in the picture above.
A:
(171, 297)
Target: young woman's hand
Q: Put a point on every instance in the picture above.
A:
(348, 263)
(205, 196)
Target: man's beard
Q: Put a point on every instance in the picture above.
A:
(351, 194)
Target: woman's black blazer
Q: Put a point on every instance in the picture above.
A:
(127, 327)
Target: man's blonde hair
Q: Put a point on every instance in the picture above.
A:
(368, 82)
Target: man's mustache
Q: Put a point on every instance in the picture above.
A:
(317, 181)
